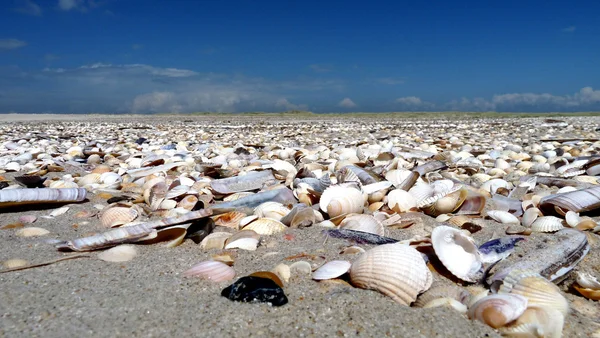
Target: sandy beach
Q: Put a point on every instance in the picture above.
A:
(149, 297)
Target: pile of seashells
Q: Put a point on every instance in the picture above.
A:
(230, 185)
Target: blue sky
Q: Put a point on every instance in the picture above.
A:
(79, 56)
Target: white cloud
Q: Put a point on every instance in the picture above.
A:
(569, 29)
(8, 44)
(28, 7)
(410, 100)
(347, 103)
(287, 105)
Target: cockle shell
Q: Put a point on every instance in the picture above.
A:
(339, 200)
(457, 252)
(536, 322)
(503, 217)
(121, 253)
(211, 270)
(92, 178)
(266, 226)
(365, 223)
(443, 204)
(395, 270)
(274, 210)
(401, 201)
(547, 224)
(332, 269)
(498, 310)
(539, 291)
(230, 219)
(116, 216)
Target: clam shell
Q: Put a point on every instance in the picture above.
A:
(587, 281)
(92, 178)
(529, 216)
(457, 252)
(339, 200)
(249, 244)
(536, 322)
(266, 226)
(577, 201)
(188, 202)
(503, 217)
(121, 253)
(211, 270)
(365, 223)
(547, 224)
(116, 216)
(333, 269)
(572, 218)
(215, 240)
(395, 270)
(27, 219)
(32, 232)
(498, 310)
(274, 210)
(283, 271)
(538, 290)
(301, 268)
(401, 201)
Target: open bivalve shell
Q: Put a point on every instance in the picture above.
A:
(498, 310)
(588, 286)
(401, 201)
(333, 269)
(536, 322)
(538, 290)
(364, 223)
(213, 271)
(457, 252)
(340, 200)
(396, 270)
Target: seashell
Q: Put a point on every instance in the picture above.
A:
(588, 286)
(41, 195)
(177, 191)
(529, 216)
(174, 236)
(453, 296)
(302, 268)
(536, 322)
(230, 219)
(215, 240)
(472, 205)
(401, 201)
(31, 181)
(92, 178)
(457, 252)
(538, 290)
(352, 250)
(396, 270)
(283, 271)
(547, 224)
(237, 196)
(226, 257)
(188, 202)
(274, 210)
(365, 223)
(121, 253)
(15, 263)
(251, 181)
(443, 205)
(576, 201)
(100, 169)
(300, 216)
(494, 184)
(27, 219)
(498, 310)
(266, 226)
(249, 244)
(503, 217)
(340, 200)
(211, 270)
(117, 216)
(31, 232)
(167, 204)
(330, 270)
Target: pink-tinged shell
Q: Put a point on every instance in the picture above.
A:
(213, 271)
(333, 269)
(396, 270)
(188, 202)
(27, 219)
(117, 216)
(364, 223)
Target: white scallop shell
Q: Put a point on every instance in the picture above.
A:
(213, 271)
(121, 253)
(457, 252)
(395, 270)
(547, 224)
(338, 200)
(498, 310)
(401, 201)
(364, 223)
(536, 322)
(266, 226)
(503, 217)
(538, 290)
(92, 178)
(332, 269)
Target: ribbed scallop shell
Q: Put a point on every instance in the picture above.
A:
(116, 216)
(274, 210)
(230, 219)
(395, 270)
(536, 322)
(89, 179)
(498, 310)
(547, 224)
(440, 204)
(503, 217)
(332, 269)
(340, 200)
(538, 290)
(266, 226)
(364, 223)
(401, 201)
(457, 252)
(211, 270)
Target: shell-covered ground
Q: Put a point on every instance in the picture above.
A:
(522, 159)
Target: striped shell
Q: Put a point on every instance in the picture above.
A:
(395, 270)
(213, 271)
(274, 210)
(339, 200)
(538, 290)
(266, 226)
(116, 216)
(547, 224)
(536, 322)
(498, 310)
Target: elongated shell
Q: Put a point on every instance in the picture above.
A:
(498, 310)
(365, 223)
(576, 201)
(251, 181)
(457, 252)
(332, 269)
(503, 217)
(340, 200)
(547, 224)
(211, 270)
(538, 290)
(44, 195)
(266, 226)
(395, 270)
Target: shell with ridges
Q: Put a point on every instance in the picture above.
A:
(536, 322)
(401, 201)
(274, 210)
(339, 200)
(498, 310)
(266, 226)
(538, 290)
(547, 224)
(116, 216)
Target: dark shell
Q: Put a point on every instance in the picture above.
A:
(255, 289)
(31, 181)
(359, 237)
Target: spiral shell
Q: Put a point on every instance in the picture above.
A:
(395, 270)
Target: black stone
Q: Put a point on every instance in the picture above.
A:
(255, 289)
